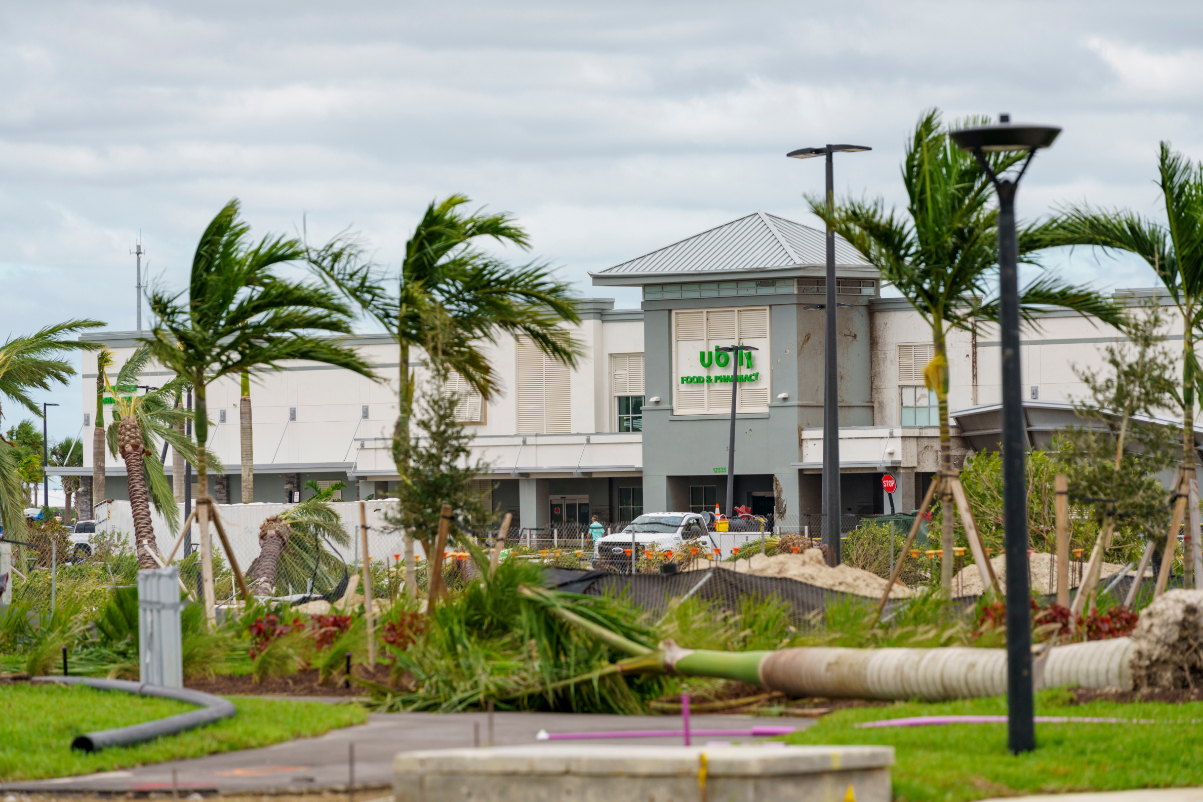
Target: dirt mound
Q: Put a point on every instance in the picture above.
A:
(1042, 574)
(1169, 642)
(808, 566)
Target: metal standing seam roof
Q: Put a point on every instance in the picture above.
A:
(756, 241)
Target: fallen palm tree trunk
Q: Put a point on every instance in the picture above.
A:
(937, 674)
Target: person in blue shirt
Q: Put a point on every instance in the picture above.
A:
(597, 530)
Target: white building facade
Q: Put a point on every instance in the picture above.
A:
(642, 421)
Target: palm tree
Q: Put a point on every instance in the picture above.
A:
(140, 422)
(104, 361)
(28, 363)
(246, 436)
(290, 544)
(941, 254)
(447, 284)
(236, 316)
(68, 453)
(1173, 249)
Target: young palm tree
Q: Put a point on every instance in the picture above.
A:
(941, 254)
(446, 283)
(246, 436)
(104, 361)
(140, 423)
(1173, 249)
(68, 453)
(236, 316)
(28, 363)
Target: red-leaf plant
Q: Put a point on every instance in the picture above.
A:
(267, 629)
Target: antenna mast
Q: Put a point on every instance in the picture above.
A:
(138, 252)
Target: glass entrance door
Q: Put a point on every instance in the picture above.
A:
(569, 509)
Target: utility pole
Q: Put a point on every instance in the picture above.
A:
(138, 253)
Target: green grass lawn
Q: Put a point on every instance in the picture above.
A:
(38, 723)
(971, 761)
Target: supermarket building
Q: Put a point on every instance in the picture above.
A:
(642, 422)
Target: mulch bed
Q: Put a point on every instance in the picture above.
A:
(1171, 695)
(303, 683)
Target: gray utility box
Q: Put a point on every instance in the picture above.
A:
(6, 574)
(160, 649)
(607, 773)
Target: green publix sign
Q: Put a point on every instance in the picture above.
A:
(721, 359)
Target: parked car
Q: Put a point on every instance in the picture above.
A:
(658, 531)
(81, 547)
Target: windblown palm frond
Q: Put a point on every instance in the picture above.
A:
(34, 362)
(1173, 249)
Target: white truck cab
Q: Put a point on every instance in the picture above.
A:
(658, 531)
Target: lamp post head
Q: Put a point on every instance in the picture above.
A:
(1005, 136)
(810, 153)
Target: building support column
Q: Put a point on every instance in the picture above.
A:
(534, 498)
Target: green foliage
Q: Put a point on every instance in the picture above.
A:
(312, 521)
(758, 623)
(1114, 456)
(868, 547)
(491, 642)
(37, 723)
(283, 656)
(440, 469)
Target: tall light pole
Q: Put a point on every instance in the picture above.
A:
(1001, 138)
(138, 253)
(45, 459)
(831, 390)
(738, 352)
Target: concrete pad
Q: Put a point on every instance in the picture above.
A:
(313, 764)
(546, 773)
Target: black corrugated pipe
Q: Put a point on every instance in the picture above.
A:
(213, 709)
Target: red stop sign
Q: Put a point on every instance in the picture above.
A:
(888, 484)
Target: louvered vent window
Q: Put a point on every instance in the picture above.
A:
(470, 406)
(544, 395)
(912, 359)
(626, 371)
(483, 490)
(703, 385)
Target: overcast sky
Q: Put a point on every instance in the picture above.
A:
(609, 129)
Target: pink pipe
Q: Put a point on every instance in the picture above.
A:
(931, 721)
(754, 732)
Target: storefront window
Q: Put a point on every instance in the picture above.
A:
(630, 503)
(630, 413)
(919, 407)
(703, 499)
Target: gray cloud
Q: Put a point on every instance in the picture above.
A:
(609, 129)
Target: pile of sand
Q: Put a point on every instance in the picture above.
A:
(808, 566)
(1042, 574)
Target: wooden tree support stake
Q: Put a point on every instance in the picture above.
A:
(367, 584)
(1061, 486)
(1101, 543)
(1145, 559)
(206, 560)
(910, 538)
(495, 557)
(434, 562)
(1171, 538)
(225, 544)
(151, 553)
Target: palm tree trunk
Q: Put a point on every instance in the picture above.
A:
(938, 381)
(201, 428)
(404, 406)
(273, 537)
(247, 442)
(130, 446)
(177, 469)
(98, 445)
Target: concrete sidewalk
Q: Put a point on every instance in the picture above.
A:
(313, 764)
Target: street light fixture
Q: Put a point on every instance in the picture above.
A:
(1002, 138)
(737, 350)
(45, 460)
(831, 392)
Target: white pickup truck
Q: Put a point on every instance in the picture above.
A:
(658, 531)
